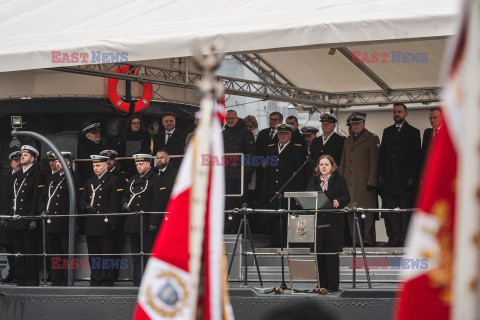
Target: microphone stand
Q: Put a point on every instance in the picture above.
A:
(279, 197)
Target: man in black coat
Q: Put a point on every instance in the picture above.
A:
(102, 195)
(23, 197)
(55, 200)
(265, 138)
(398, 168)
(170, 138)
(329, 142)
(114, 168)
(5, 234)
(52, 167)
(236, 139)
(309, 134)
(163, 185)
(285, 157)
(296, 135)
(436, 121)
(91, 144)
(138, 196)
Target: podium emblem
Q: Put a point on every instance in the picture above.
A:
(301, 227)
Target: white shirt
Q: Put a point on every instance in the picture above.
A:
(25, 169)
(102, 174)
(166, 135)
(281, 149)
(274, 133)
(326, 139)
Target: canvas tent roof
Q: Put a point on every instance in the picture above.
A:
(294, 37)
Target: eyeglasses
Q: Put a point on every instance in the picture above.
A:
(274, 119)
(432, 118)
(136, 122)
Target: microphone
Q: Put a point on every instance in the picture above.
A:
(310, 160)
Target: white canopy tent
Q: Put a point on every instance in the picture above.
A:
(289, 41)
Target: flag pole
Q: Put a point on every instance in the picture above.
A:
(210, 91)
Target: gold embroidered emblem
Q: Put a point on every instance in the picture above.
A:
(301, 227)
(172, 294)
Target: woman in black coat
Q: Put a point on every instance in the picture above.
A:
(330, 239)
(135, 131)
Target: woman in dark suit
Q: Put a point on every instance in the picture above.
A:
(330, 239)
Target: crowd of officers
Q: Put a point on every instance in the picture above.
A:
(26, 191)
(390, 168)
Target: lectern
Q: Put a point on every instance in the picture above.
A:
(302, 232)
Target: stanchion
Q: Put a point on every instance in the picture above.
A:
(247, 236)
(44, 252)
(141, 244)
(356, 229)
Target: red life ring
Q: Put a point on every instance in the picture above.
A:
(121, 105)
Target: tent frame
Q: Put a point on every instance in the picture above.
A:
(269, 89)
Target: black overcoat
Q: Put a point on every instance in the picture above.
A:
(330, 239)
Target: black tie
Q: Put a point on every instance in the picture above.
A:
(398, 129)
(168, 137)
(271, 135)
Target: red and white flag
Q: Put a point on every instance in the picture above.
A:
(446, 228)
(185, 277)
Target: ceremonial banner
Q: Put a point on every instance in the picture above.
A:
(185, 277)
(445, 230)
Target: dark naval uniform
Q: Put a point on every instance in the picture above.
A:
(101, 196)
(55, 200)
(138, 196)
(333, 147)
(289, 159)
(162, 188)
(23, 199)
(5, 234)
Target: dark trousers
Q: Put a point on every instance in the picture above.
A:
(329, 271)
(271, 223)
(97, 245)
(398, 221)
(57, 243)
(118, 247)
(26, 268)
(367, 228)
(136, 259)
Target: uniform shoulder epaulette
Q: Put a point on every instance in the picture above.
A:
(297, 144)
(270, 145)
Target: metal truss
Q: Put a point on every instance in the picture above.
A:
(262, 69)
(256, 89)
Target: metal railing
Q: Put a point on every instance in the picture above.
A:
(242, 253)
